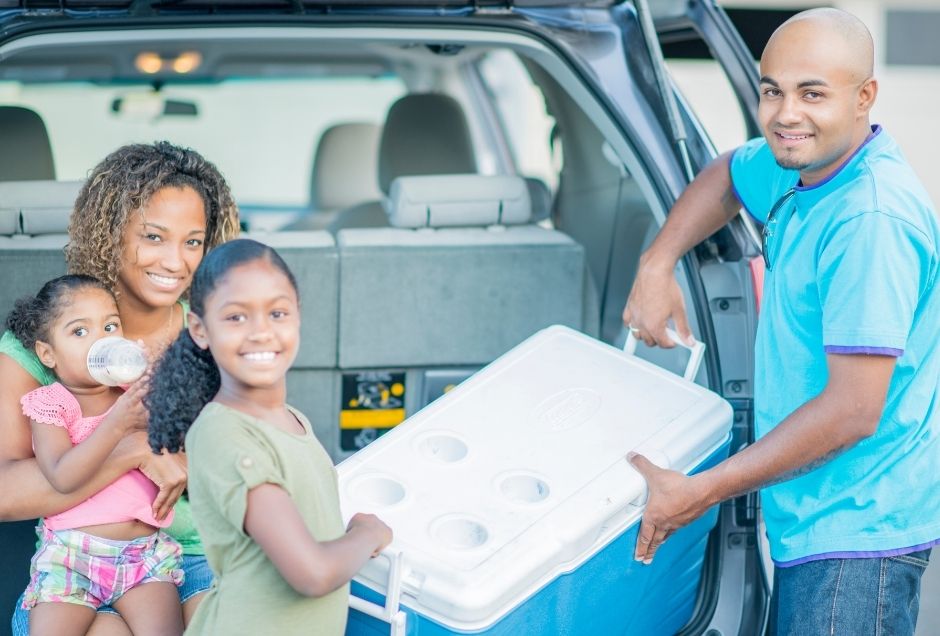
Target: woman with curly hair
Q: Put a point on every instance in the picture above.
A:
(142, 223)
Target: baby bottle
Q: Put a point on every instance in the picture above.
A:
(114, 360)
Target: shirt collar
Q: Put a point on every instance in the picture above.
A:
(842, 174)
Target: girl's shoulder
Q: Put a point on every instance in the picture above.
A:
(52, 404)
(221, 424)
(217, 420)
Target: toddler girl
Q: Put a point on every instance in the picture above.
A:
(103, 550)
(263, 490)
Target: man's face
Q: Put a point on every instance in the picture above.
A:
(813, 105)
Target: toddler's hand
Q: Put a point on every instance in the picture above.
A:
(372, 524)
(129, 413)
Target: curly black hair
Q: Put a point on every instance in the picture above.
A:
(123, 184)
(186, 377)
(33, 316)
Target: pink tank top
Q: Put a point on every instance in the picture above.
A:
(127, 499)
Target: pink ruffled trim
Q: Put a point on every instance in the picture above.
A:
(55, 405)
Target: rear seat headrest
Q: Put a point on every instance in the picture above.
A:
(345, 170)
(458, 200)
(40, 207)
(425, 134)
(25, 152)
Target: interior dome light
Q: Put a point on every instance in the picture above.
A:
(187, 61)
(148, 62)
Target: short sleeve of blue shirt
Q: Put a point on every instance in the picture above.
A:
(871, 276)
(757, 178)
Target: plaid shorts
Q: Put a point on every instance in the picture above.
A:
(72, 566)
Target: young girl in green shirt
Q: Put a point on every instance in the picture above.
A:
(263, 490)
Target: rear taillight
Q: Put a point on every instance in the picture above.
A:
(757, 278)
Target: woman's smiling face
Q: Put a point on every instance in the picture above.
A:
(162, 247)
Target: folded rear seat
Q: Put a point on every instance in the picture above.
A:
(34, 218)
(461, 277)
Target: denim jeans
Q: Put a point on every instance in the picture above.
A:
(198, 579)
(852, 597)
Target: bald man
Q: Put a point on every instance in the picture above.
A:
(847, 363)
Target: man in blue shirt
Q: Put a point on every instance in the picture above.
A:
(847, 362)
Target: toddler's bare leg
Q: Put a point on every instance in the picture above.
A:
(152, 609)
(60, 618)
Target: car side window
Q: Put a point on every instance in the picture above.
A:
(520, 106)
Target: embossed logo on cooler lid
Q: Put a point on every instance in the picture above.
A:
(566, 409)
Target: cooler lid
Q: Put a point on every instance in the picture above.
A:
(516, 475)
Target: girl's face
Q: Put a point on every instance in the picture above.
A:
(251, 324)
(162, 247)
(88, 315)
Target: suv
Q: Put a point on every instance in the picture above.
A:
(317, 111)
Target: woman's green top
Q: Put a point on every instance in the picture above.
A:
(183, 529)
(27, 359)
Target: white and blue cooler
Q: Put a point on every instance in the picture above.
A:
(514, 508)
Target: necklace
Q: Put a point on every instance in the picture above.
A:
(166, 336)
(169, 325)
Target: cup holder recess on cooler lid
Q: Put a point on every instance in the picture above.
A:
(459, 532)
(523, 488)
(443, 448)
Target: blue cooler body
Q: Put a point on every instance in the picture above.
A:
(514, 508)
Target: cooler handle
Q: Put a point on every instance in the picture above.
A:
(390, 612)
(696, 351)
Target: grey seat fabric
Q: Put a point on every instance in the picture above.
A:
(344, 174)
(424, 134)
(42, 207)
(454, 295)
(38, 213)
(423, 308)
(27, 263)
(26, 153)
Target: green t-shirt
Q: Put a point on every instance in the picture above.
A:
(26, 358)
(230, 453)
(182, 529)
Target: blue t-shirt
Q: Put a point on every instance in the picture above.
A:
(854, 270)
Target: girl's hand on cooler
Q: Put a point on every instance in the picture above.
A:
(168, 472)
(373, 525)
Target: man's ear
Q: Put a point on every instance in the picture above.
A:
(197, 331)
(866, 95)
(45, 354)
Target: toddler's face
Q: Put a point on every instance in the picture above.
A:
(90, 314)
(251, 324)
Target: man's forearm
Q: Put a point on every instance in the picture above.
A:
(811, 436)
(706, 206)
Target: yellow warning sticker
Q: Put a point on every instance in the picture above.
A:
(352, 419)
(373, 402)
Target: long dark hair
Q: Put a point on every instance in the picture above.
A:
(186, 377)
(33, 316)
